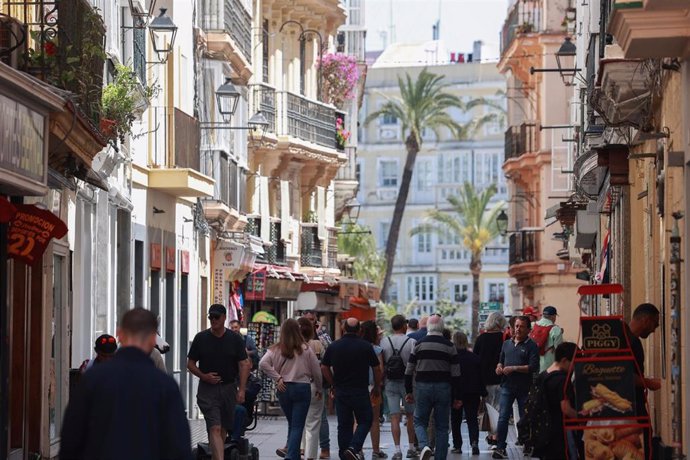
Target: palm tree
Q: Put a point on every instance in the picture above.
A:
(423, 104)
(474, 220)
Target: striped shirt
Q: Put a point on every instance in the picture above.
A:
(434, 359)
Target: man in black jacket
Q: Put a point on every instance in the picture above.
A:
(126, 408)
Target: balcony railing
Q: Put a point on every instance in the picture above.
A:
(523, 248)
(524, 17)
(306, 119)
(520, 140)
(59, 41)
(311, 255)
(348, 171)
(231, 17)
(139, 54)
(264, 100)
(180, 132)
(275, 254)
(332, 248)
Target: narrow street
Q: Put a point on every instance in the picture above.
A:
(271, 432)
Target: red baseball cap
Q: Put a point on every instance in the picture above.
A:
(527, 311)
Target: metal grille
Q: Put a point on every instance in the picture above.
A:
(520, 140)
(311, 255)
(309, 120)
(265, 101)
(231, 17)
(139, 54)
(524, 17)
(523, 248)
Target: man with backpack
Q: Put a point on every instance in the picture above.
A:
(547, 335)
(396, 354)
(541, 429)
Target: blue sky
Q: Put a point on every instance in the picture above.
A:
(462, 22)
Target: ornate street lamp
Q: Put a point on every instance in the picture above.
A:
(227, 97)
(140, 15)
(353, 207)
(258, 124)
(163, 32)
(565, 59)
(502, 223)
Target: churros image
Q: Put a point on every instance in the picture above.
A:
(598, 451)
(611, 398)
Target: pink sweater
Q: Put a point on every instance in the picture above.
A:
(303, 368)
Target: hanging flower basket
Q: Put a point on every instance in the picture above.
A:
(340, 76)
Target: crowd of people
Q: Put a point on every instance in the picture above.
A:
(427, 376)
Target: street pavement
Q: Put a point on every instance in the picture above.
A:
(271, 433)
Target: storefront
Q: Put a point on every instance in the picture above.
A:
(34, 267)
(232, 260)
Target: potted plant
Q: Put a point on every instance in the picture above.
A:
(342, 135)
(340, 76)
(120, 101)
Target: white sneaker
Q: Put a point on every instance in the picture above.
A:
(426, 453)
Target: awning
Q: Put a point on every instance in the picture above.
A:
(256, 245)
(271, 282)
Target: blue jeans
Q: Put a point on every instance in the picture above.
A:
(508, 396)
(295, 402)
(324, 432)
(432, 396)
(238, 423)
(352, 404)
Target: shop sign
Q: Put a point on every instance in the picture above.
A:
(184, 262)
(170, 259)
(349, 289)
(605, 387)
(155, 256)
(31, 229)
(218, 286)
(603, 334)
(228, 255)
(256, 286)
(283, 289)
(22, 140)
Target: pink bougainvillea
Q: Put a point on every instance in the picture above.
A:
(340, 76)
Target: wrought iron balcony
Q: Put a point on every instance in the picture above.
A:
(180, 133)
(275, 254)
(520, 140)
(311, 255)
(332, 248)
(348, 171)
(231, 17)
(524, 248)
(264, 100)
(59, 41)
(523, 18)
(306, 119)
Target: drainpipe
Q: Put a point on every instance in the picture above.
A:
(676, 361)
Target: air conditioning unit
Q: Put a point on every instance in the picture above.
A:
(13, 37)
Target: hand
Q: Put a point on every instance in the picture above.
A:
(499, 370)
(376, 391)
(457, 404)
(409, 399)
(240, 396)
(212, 378)
(280, 385)
(653, 384)
(508, 370)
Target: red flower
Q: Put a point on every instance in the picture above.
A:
(50, 48)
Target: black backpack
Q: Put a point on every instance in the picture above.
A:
(395, 366)
(534, 428)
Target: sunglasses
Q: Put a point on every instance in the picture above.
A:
(212, 317)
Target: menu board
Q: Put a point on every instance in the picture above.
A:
(603, 334)
(605, 388)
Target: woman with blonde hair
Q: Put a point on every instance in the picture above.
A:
(292, 364)
(310, 439)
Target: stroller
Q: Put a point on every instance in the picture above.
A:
(237, 447)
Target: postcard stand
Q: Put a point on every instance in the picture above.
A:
(603, 388)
